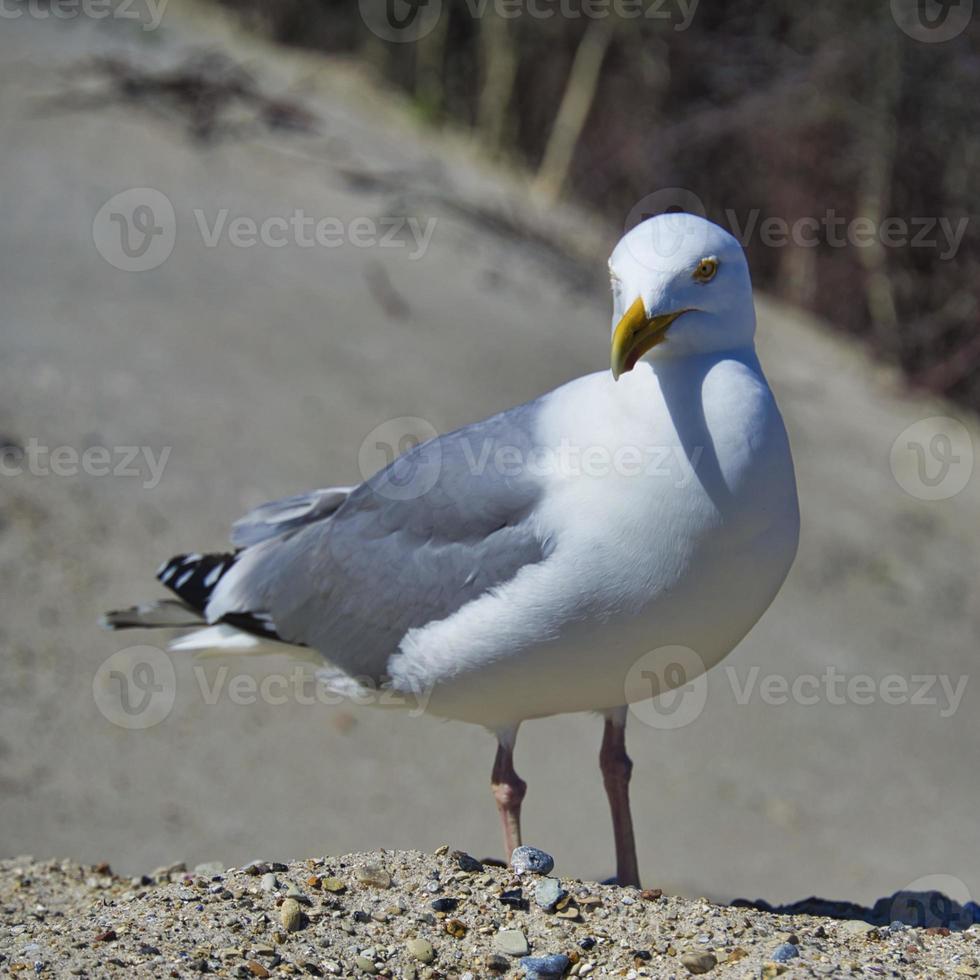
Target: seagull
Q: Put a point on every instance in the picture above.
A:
(527, 565)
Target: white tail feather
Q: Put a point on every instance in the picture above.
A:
(222, 640)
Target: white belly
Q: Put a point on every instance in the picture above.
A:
(677, 531)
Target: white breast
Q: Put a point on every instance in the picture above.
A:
(671, 504)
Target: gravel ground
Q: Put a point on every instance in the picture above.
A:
(414, 915)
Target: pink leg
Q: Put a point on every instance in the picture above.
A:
(616, 769)
(508, 791)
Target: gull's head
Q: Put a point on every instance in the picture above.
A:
(682, 282)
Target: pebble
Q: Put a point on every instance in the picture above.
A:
(269, 882)
(365, 964)
(547, 893)
(526, 859)
(513, 942)
(466, 862)
(293, 892)
(373, 876)
(698, 963)
(545, 967)
(334, 885)
(857, 927)
(291, 915)
(513, 898)
(421, 950)
(784, 952)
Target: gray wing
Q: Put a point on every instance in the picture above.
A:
(281, 516)
(438, 527)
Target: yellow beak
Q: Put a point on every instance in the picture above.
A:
(635, 334)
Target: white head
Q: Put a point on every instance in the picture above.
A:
(681, 274)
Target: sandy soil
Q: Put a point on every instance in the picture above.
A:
(413, 915)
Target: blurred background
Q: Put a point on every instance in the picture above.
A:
(248, 248)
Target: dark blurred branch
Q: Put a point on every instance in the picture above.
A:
(874, 195)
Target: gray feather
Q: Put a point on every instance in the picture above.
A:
(162, 614)
(434, 530)
(277, 518)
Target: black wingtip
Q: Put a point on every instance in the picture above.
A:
(194, 577)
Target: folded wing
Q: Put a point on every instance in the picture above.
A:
(442, 524)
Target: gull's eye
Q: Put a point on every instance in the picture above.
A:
(705, 270)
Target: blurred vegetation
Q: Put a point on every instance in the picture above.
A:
(766, 109)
